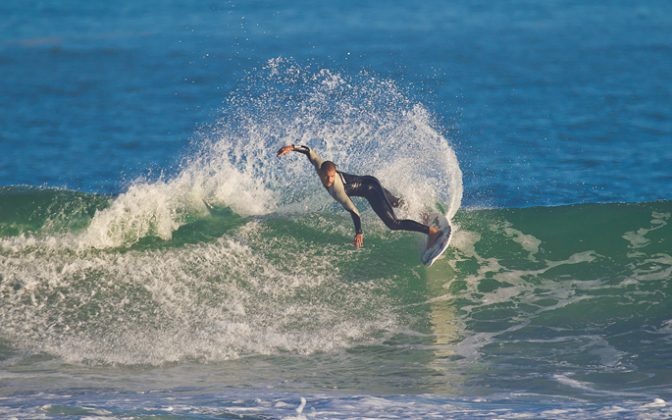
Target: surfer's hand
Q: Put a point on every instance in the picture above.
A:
(285, 149)
(359, 240)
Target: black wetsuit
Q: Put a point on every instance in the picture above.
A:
(381, 201)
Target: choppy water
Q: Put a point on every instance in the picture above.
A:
(531, 310)
(184, 270)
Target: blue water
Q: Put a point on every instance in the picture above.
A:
(545, 103)
(151, 259)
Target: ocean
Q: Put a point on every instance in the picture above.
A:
(157, 260)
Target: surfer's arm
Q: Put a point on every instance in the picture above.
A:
(359, 236)
(311, 154)
(354, 213)
(357, 221)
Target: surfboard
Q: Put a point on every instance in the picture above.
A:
(432, 254)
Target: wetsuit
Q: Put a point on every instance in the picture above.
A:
(381, 200)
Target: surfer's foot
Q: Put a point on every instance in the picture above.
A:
(433, 236)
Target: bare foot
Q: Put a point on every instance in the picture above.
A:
(434, 233)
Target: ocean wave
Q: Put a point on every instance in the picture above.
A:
(226, 286)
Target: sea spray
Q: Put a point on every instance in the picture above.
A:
(364, 124)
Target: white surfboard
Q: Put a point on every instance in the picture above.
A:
(432, 254)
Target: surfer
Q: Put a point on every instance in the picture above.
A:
(341, 186)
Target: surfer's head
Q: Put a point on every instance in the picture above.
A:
(328, 173)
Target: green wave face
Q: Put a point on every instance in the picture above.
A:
(519, 289)
(31, 210)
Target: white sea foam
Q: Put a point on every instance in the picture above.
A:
(321, 406)
(211, 301)
(591, 388)
(528, 242)
(637, 239)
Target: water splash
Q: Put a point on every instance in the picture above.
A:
(364, 124)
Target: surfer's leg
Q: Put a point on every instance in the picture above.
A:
(375, 195)
(395, 202)
(361, 186)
